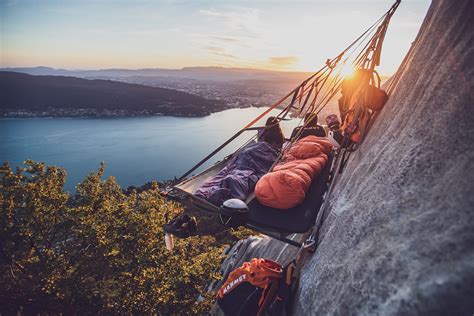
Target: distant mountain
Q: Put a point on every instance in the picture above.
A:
(44, 71)
(28, 95)
(197, 73)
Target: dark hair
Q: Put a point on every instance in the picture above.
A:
(271, 121)
(272, 133)
(311, 120)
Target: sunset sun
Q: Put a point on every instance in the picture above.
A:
(347, 71)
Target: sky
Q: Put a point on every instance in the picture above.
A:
(276, 35)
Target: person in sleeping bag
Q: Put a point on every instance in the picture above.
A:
(238, 178)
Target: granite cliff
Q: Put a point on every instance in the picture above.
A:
(398, 237)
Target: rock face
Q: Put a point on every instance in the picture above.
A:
(399, 237)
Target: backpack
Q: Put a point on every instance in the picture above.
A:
(375, 98)
(362, 90)
(258, 287)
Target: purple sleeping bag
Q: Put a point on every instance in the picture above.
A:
(239, 176)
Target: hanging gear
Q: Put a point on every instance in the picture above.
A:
(258, 287)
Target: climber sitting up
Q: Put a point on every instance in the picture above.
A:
(271, 133)
(311, 127)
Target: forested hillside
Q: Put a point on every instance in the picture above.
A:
(27, 95)
(100, 251)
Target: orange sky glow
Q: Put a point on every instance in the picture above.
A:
(289, 36)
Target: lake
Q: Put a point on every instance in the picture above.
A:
(136, 150)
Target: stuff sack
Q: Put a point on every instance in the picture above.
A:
(376, 98)
(253, 288)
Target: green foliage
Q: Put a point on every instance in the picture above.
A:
(100, 251)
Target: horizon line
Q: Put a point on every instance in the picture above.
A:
(163, 68)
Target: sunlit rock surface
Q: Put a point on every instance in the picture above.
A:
(399, 238)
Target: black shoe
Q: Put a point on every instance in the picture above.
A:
(182, 226)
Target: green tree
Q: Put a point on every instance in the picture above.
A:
(100, 251)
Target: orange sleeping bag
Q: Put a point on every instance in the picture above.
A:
(286, 186)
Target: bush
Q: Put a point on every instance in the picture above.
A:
(100, 251)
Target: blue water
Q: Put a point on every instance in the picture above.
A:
(136, 150)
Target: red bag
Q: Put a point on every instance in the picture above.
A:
(250, 288)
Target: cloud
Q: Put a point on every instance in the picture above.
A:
(245, 21)
(235, 32)
(218, 51)
(211, 13)
(283, 61)
(226, 39)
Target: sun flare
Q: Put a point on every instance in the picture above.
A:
(347, 71)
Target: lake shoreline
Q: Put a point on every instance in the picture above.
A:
(111, 115)
(136, 150)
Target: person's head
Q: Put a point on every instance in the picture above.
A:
(311, 120)
(333, 122)
(272, 120)
(273, 133)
